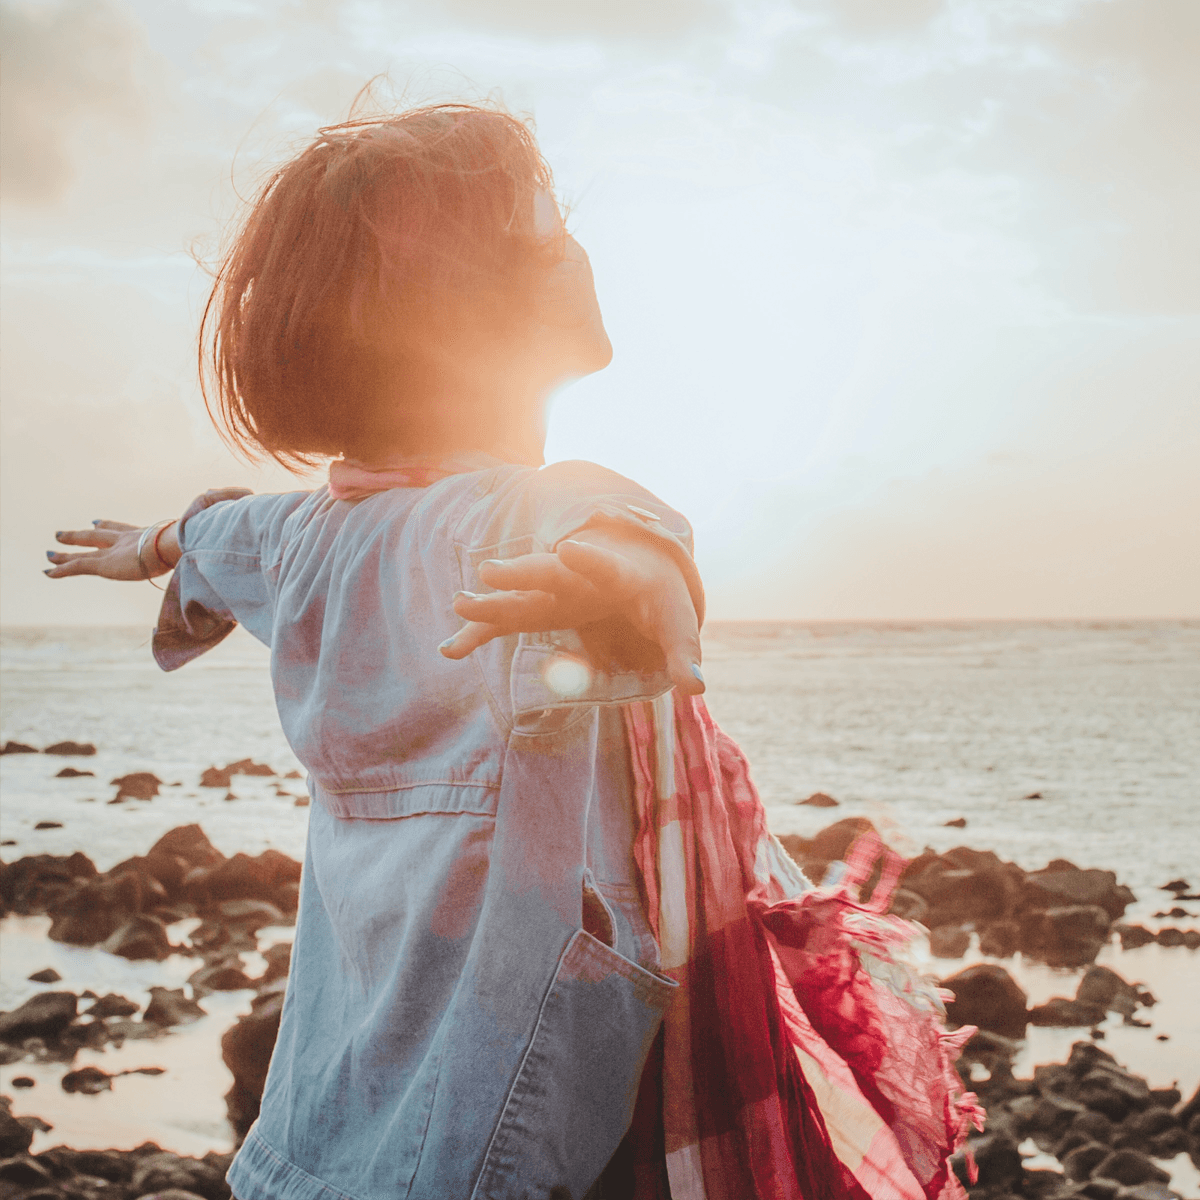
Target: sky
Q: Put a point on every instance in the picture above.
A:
(904, 294)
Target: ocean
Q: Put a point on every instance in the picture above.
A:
(1076, 740)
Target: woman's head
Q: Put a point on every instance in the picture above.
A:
(390, 258)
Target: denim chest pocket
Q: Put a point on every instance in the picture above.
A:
(573, 1096)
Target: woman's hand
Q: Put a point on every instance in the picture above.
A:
(115, 545)
(593, 577)
(114, 555)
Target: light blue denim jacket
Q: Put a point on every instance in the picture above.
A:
(451, 1028)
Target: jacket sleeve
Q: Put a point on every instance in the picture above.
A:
(562, 499)
(227, 574)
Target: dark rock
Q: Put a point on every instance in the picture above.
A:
(46, 975)
(278, 958)
(142, 937)
(88, 1080)
(169, 1006)
(97, 909)
(820, 800)
(225, 976)
(1032, 796)
(1061, 1013)
(242, 877)
(815, 854)
(949, 941)
(36, 883)
(1105, 988)
(164, 1172)
(73, 773)
(250, 914)
(1170, 937)
(987, 996)
(27, 1174)
(1169, 1143)
(998, 1160)
(956, 823)
(293, 774)
(120, 1031)
(77, 749)
(215, 777)
(246, 1048)
(1099, 1189)
(140, 785)
(1063, 885)
(909, 906)
(301, 802)
(247, 766)
(1147, 1191)
(1095, 1126)
(1190, 1109)
(1133, 936)
(1165, 1097)
(1176, 885)
(189, 843)
(1130, 1167)
(49, 825)
(22, 748)
(14, 1137)
(1051, 1116)
(22, 1081)
(1000, 939)
(1113, 1092)
(1150, 1122)
(1071, 936)
(960, 894)
(45, 1015)
(113, 1166)
(1083, 1160)
(112, 1005)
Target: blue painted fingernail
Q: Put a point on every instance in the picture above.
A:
(58, 533)
(50, 555)
(448, 642)
(467, 595)
(47, 571)
(97, 522)
(697, 672)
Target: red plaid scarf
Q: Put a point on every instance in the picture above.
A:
(802, 1058)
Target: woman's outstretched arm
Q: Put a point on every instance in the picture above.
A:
(597, 575)
(129, 552)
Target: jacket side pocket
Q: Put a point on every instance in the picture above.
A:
(573, 1097)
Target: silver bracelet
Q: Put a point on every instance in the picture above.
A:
(147, 533)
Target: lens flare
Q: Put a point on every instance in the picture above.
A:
(566, 677)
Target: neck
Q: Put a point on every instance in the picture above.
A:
(444, 417)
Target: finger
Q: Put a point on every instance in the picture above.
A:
(511, 612)
(532, 572)
(469, 638)
(608, 571)
(99, 539)
(120, 526)
(72, 564)
(673, 625)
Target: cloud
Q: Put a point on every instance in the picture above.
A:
(618, 19)
(72, 70)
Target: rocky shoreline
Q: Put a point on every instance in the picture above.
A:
(1105, 1126)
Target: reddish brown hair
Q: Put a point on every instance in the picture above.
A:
(403, 224)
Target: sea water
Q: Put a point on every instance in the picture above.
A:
(911, 725)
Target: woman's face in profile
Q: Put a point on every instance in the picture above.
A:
(569, 311)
